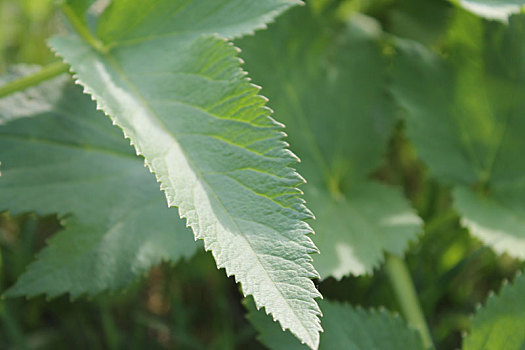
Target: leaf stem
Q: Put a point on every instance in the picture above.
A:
(406, 295)
(82, 29)
(12, 329)
(47, 72)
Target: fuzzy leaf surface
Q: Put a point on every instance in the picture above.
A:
(329, 91)
(59, 155)
(179, 94)
(500, 323)
(466, 118)
(345, 327)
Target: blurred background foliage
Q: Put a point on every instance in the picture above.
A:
(25, 26)
(195, 306)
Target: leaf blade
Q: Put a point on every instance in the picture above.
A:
(493, 9)
(219, 157)
(329, 90)
(346, 327)
(61, 156)
(229, 18)
(465, 118)
(500, 322)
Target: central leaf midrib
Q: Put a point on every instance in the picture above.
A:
(114, 64)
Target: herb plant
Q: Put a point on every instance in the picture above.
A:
(408, 118)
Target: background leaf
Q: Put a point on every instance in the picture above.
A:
(327, 83)
(345, 327)
(500, 323)
(465, 116)
(161, 19)
(34, 100)
(59, 155)
(187, 107)
(493, 9)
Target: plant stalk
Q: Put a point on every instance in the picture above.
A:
(82, 29)
(407, 297)
(48, 72)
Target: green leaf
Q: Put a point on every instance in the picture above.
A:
(188, 108)
(465, 116)
(500, 324)
(328, 86)
(80, 7)
(354, 233)
(34, 100)
(493, 9)
(345, 327)
(423, 21)
(129, 22)
(498, 219)
(59, 155)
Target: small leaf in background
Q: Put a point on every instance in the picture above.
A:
(327, 84)
(179, 94)
(500, 323)
(345, 327)
(493, 9)
(465, 117)
(423, 21)
(59, 155)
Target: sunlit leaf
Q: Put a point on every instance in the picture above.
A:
(174, 85)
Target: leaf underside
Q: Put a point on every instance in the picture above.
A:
(181, 98)
(329, 89)
(59, 155)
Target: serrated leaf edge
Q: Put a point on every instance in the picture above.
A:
(314, 343)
